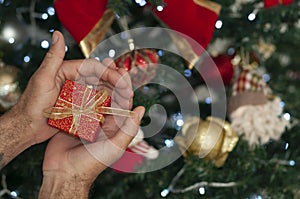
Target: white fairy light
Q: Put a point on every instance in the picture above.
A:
(159, 8)
(26, 59)
(219, 24)
(45, 44)
(160, 53)
(169, 143)
(287, 116)
(51, 11)
(187, 72)
(292, 163)
(111, 53)
(251, 16)
(208, 100)
(286, 146)
(164, 193)
(44, 16)
(143, 3)
(179, 122)
(201, 190)
(14, 194)
(230, 51)
(11, 40)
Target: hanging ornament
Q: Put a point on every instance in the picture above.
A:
(9, 86)
(272, 3)
(87, 21)
(225, 67)
(136, 153)
(255, 113)
(211, 139)
(141, 65)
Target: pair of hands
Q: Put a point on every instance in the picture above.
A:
(66, 157)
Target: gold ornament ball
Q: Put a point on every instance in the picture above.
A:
(9, 86)
(211, 139)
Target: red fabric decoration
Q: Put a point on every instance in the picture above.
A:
(272, 3)
(128, 162)
(188, 17)
(225, 67)
(79, 17)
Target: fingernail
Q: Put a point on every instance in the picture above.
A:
(54, 38)
(141, 113)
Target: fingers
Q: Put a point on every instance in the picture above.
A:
(91, 69)
(109, 63)
(113, 148)
(54, 57)
(111, 126)
(130, 128)
(102, 75)
(126, 76)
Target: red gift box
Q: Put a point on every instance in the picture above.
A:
(77, 110)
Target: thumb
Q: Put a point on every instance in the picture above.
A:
(129, 130)
(54, 57)
(113, 148)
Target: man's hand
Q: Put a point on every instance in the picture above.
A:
(43, 89)
(45, 85)
(70, 165)
(25, 125)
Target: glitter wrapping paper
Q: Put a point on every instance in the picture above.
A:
(84, 119)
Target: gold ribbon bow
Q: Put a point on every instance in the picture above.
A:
(89, 107)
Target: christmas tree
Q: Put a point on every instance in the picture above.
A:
(242, 141)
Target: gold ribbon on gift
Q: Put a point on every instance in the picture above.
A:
(211, 139)
(89, 107)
